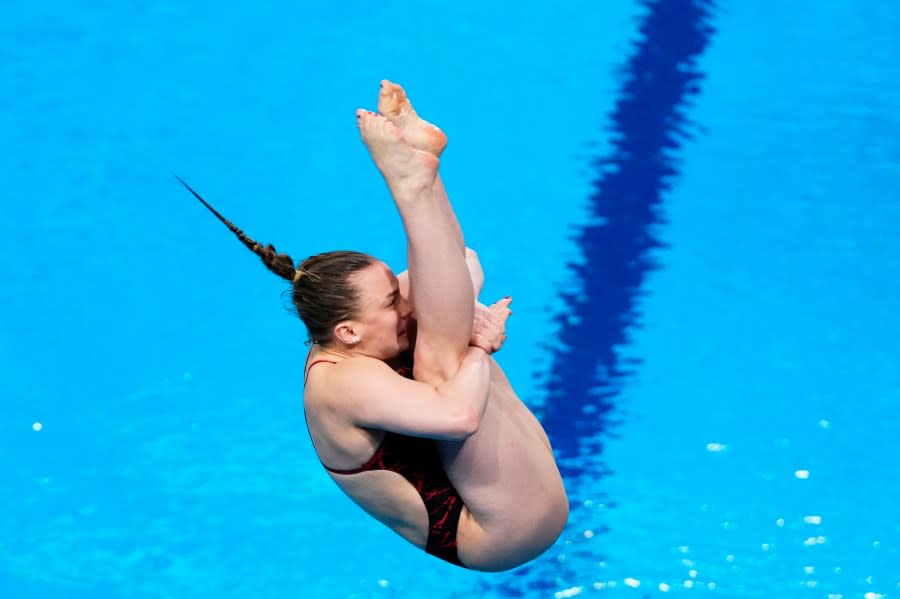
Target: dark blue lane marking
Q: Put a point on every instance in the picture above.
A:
(617, 244)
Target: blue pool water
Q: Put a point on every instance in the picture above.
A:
(694, 205)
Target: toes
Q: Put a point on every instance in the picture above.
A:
(375, 126)
(363, 121)
(383, 125)
(389, 128)
(366, 121)
(386, 104)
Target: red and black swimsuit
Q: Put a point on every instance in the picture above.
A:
(416, 459)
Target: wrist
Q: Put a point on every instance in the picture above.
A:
(478, 352)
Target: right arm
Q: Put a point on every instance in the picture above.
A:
(372, 395)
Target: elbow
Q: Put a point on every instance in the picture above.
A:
(462, 425)
(469, 422)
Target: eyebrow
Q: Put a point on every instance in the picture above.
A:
(390, 296)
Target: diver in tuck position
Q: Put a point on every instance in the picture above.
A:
(439, 448)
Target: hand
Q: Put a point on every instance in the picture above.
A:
(489, 328)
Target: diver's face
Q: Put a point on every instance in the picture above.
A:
(383, 315)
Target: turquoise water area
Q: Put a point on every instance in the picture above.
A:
(694, 205)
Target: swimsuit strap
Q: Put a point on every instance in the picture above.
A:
(305, 379)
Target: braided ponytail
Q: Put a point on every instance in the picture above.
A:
(321, 288)
(280, 264)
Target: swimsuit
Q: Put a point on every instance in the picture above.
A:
(416, 459)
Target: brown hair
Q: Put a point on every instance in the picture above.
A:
(321, 290)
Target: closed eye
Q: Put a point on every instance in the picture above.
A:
(394, 297)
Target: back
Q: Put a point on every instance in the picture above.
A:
(397, 479)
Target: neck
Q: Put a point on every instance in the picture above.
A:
(340, 352)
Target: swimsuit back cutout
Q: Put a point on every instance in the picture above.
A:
(416, 459)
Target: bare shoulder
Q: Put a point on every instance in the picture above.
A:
(330, 381)
(341, 386)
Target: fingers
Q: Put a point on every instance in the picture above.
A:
(484, 343)
(488, 343)
(499, 312)
(487, 335)
(490, 329)
(489, 332)
(498, 342)
(504, 303)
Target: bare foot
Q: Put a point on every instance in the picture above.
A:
(403, 167)
(422, 135)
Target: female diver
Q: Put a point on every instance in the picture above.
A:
(449, 459)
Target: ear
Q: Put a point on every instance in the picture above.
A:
(347, 332)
